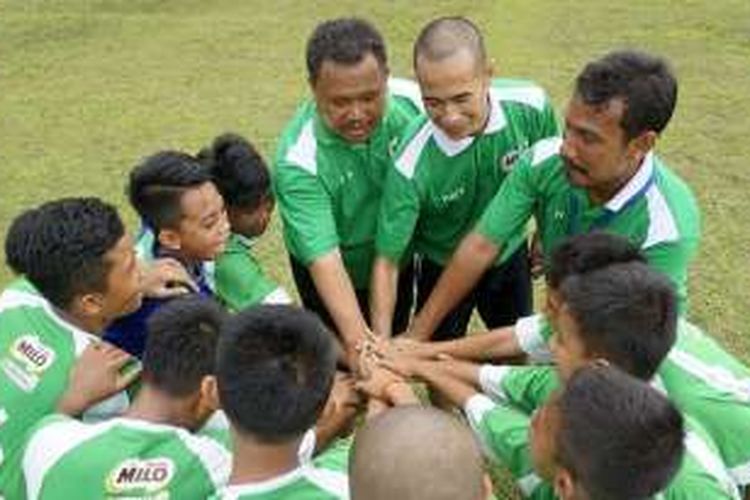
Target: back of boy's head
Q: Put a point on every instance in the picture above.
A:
(181, 345)
(618, 437)
(275, 370)
(412, 453)
(61, 247)
(157, 184)
(587, 252)
(238, 170)
(626, 313)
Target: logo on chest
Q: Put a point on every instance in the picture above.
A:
(442, 200)
(28, 358)
(149, 475)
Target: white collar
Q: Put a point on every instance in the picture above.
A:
(495, 122)
(264, 486)
(634, 186)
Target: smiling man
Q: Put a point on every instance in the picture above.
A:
(330, 168)
(603, 175)
(447, 171)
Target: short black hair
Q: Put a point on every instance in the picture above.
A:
(238, 170)
(157, 184)
(181, 341)
(343, 41)
(17, 240)
(620, 438)
(644, 82)
(625, 312)
(587, 252)
(445, 36)
(275, 369)
(61, 247)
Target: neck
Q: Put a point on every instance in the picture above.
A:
(152, 405)
(602, 194)
(255, 461)
(92, 325)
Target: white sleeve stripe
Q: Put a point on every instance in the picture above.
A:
(475, 409)
(49, 444)
(304, 152)
(277, 296)
(528, 483)
(335, 483)
(712, 464)
(662, 227)
(741, 474)
(406, 88)
(407, 161)
(214, 457)
(545, 149)
(530, 95)
(717, 377)
(491, 380)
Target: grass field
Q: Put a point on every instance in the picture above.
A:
(88, 87)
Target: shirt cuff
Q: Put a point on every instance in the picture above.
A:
(528, 331)
(491, 380)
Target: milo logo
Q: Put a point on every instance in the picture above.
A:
(35, 356)
(148, 474)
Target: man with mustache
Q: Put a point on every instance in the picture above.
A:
(603, 175)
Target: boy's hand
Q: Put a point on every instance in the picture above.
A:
(378, 382)
(95, 376)
(166, 277)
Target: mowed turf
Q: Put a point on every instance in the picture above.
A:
(89, 87)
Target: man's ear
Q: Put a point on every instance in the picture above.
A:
(487, 487)
(169, 238)
(639, 146)
(564, 485)
(489, 69)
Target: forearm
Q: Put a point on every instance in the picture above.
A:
(494, 345)
(473, 256)
(337, 292)
(383, 296)
(452, 387)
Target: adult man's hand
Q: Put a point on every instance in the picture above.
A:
(99, 372)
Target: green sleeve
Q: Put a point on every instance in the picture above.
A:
(508, 212)
(309, 226)
(399, 212)
(240, 281)
(504, 435)
(673, 259)
(525, 387)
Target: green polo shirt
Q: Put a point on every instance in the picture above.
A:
(440, 186)
(655, 210)
(329, 189)
(240, 281)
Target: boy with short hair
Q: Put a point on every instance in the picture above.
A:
(150, 450)
(275, 370)
(79, 274)
(185, 219)
(242, 178)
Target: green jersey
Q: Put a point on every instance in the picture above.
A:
(323, 478)
(240, 281)
(504, 433)
(440, 186)
(713, 386)
(37, 351)
(329, 189)
(700, 377)
(120, 458)
(655, 210)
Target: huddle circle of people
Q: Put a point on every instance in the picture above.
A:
(170, 365)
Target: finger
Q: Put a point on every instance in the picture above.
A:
(127, 377)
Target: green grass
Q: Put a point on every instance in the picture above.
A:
(89, 87)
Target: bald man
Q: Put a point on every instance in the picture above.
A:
(391, 460)
(449, 168)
